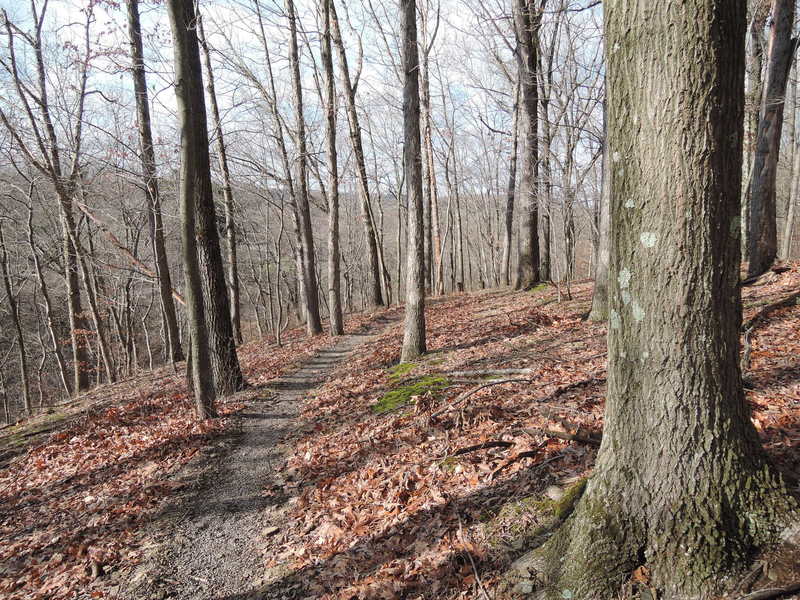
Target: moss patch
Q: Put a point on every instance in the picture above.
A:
(399, 371)
(539, 287)
(22, 433)
(400, 396)
(527, 522)
(563, 507)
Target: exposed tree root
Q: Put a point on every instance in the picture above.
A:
(768, 593)
(593, 553)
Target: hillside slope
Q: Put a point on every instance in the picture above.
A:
(412, 480)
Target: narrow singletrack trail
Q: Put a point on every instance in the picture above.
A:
(207, 543)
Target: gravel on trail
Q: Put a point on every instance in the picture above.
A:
(208, 544)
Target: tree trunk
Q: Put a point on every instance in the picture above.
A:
(681, 484)
(375, 294)
(14, 311)
(227, 193)
(788, 232)
(432, 191)
(414, 331)
(753, 91)
(310, 287)
(77, 321)
(48, 305)
(599, 310)
(334, 278)
(763, 235)
(151, 184)
(94, 311)
(195, 199)
(527, 21)
(791, 203)
(510, 191)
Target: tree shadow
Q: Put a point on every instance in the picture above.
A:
(378, 557)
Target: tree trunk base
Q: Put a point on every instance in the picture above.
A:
(692, 548)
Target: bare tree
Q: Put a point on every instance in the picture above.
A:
(148, 160)
(310, 286)
(13, 306)
(334, 277)
(196, 202)
(43, 150)
(227, 191)
(527, 21)
(414, 332)
(350, 86)
(762, 235)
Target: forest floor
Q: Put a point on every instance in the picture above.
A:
(413, 480)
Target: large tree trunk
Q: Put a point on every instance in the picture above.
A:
(375, 297)
(763, 234)
(527, 21)
(227, 193)
(195, 204)
(310, 287)
(414, 332)
(334, 278)
(148, 160)
(681, 483)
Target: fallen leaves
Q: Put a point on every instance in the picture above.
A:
(385, 503)
(72, 506)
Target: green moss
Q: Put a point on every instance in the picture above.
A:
(400, 396)
(399, 371)
(541, 287)
(22, 433)
(563, 507)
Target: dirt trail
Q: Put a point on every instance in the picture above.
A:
(207, 544)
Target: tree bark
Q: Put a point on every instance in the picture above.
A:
(763, 235)
(510, 191)
(148, 161)
(794, 191)
(310, 286)
(334, 276)
(681, 483)
(431, 189)
(414, 331)
(195, 200)
(788, 232)
(375, 295)
(527, 21)
(227, 192)
(754, 86)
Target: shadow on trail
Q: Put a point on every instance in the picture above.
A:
(406, 540)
